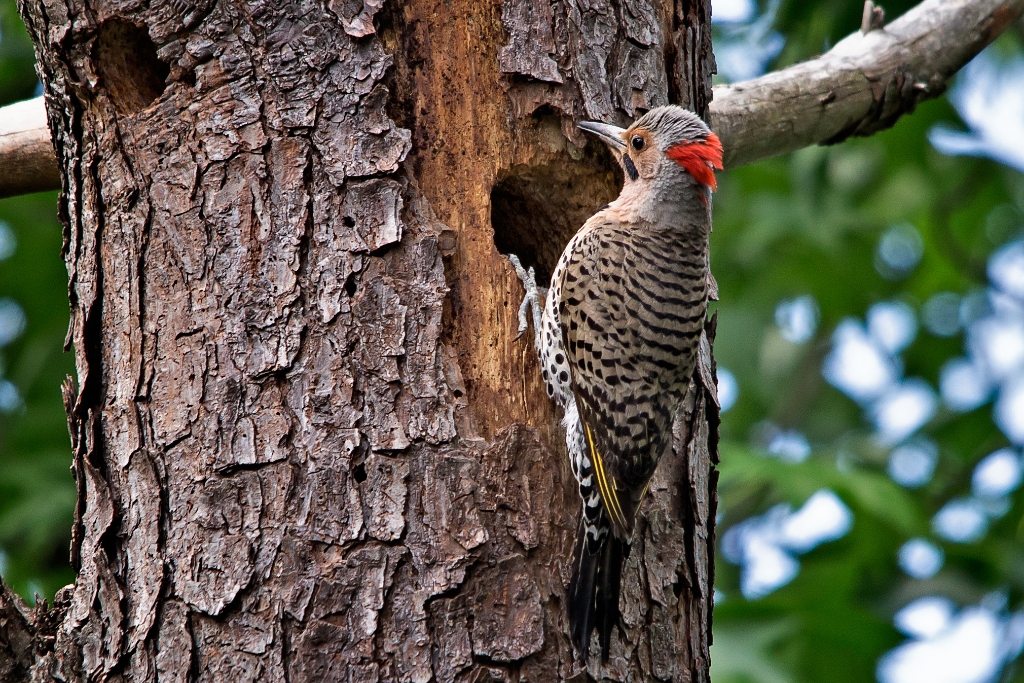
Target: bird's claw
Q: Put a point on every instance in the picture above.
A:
(532, 297)
(522, 318)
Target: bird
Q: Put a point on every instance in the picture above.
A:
(618, 338)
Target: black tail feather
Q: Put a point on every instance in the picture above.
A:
(607, 591)
(581, 592)
(594, 591)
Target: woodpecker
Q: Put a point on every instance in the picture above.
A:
(618, 339)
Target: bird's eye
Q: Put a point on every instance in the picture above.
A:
(637, 142)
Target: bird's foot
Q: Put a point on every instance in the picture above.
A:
(531, 301)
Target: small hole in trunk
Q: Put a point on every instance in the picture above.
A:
(130, 70)
(535, 210)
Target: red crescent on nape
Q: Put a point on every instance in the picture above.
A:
(700, 158)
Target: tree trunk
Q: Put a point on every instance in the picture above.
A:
(307, 446)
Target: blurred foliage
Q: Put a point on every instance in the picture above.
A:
(17, 73)
(37, 493)
(809, 223)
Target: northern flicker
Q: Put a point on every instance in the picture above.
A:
(619, 335)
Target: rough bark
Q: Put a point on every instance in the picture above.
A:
(863, 85)
(305, 442)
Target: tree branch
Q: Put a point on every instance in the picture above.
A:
(861, 86)
(27, 162)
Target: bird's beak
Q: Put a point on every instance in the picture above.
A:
(609, 134)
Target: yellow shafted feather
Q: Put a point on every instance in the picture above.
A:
(608, 493)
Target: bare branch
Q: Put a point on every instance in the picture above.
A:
(872, 18)
(27, 162)
(862, 85)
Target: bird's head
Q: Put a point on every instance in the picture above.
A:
(660, 142)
